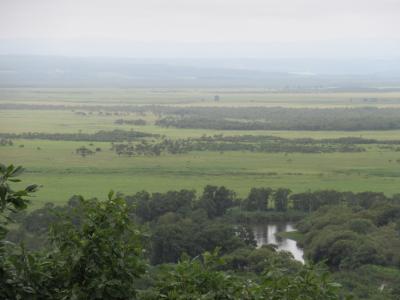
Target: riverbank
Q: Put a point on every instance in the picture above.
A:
(261, 217)
(293, 235)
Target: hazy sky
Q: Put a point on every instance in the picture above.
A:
(202, 21)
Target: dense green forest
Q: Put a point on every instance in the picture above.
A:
(180, 245)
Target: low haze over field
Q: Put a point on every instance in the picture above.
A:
(308, 27)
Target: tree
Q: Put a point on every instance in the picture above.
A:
(98, 257)
(13, 265)
(257, 199)
(216, 200)
(281, 200)
(12, 201)
(83, 151)
(101, 257)
(202, 278)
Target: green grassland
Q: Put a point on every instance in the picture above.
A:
(64, 121)
(197, 97)
(63, 173)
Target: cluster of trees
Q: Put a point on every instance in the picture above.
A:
(203, 277)
(219, 143)
(97, 251)
(216, 201)
(183, 223)
(115, 135)
(6, 142)
(267, 199)
(97, 258)
(358, 237)
(137, 122)
(152, 148)
(91, 112)
(83, 151)
(68, 252)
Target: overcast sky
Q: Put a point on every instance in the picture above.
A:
(204, 21)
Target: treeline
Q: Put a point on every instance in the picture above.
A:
(95, 250)
(250, 118)
(115, 135)
(247, 138)
(166, 146)
(278, 118)
(219, 143)
(318, 122)
(84, 151)
(137, 122)
(220, 199)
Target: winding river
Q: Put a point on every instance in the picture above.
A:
(266, 234)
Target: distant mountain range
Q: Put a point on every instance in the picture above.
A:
(54, 71)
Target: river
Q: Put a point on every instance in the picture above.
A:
(266, 234)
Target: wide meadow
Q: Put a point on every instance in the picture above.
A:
(62, 172)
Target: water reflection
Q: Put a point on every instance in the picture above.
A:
(266, 234)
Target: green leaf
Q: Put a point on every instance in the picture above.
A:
(15, 180)
(3, 192)
(31, 188)
(17, 171)
(9, 169)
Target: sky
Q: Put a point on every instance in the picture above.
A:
(211, 27)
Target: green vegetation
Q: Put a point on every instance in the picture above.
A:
(238, 160)
(160, 150)
(95, 252)
(293, 235)
(57, 167)
(278, 118)
(360, 242)
(356, 235)
(100, 136)
(197, 97)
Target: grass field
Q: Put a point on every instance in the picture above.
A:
(62, 173)
(197, 97)
(18, 121)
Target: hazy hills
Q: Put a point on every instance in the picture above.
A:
(55, 71)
